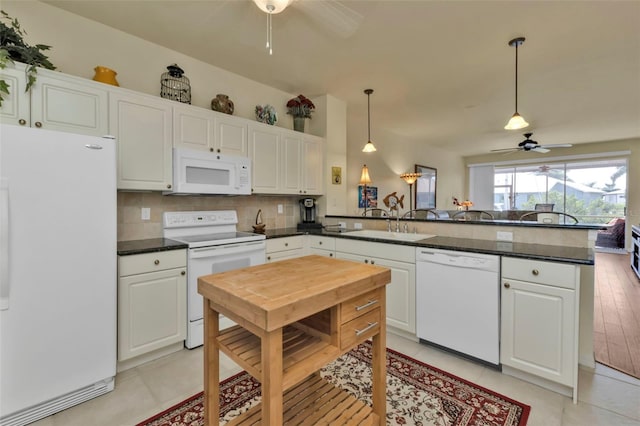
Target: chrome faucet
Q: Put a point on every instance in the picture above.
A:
(388, 225)
(397, 221)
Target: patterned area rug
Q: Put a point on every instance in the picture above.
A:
(417, 394)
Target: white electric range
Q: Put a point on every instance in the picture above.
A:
(214, 246)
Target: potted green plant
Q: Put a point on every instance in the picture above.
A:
(14, 48)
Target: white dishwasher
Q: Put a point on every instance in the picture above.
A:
(458, 302)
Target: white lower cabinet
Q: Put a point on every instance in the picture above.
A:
(539, 333)
(401, 292)
(284, 248)
(152, 302)
(323, 246)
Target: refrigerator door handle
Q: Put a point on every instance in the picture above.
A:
(4, 244)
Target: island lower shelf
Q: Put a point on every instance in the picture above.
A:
(316, 401)
(298, 344)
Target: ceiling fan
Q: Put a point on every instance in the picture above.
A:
(530, 145)
(331, 14)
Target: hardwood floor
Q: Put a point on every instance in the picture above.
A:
(617, 313)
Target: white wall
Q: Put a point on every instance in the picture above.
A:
(395, 155)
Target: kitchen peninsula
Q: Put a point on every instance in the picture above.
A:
(324, 306)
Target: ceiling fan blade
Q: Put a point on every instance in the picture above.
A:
(557, 145)
(333, 15)
(506, 149)
(540, 149)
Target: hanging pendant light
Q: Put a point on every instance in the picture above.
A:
(271, 7)
(516, 121)
(369, 147)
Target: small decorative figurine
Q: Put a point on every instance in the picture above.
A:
(174, 85)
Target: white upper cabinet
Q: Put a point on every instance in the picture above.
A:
(291, 166)
(231, 135)
(201, 129)
(193, 128)
(264, 150)
(142, 127)
(285, 161)
(312, 161)
(55, 102)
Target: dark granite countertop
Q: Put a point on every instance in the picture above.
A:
(575, 255)
(151, 245)
(495, 222)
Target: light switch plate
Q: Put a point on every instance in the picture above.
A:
(280, 209)
(145, 213)
(357, 225)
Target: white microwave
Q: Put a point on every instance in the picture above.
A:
(201, 172)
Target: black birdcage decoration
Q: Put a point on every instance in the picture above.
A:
(175, 86)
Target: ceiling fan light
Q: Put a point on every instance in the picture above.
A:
(516, 122)
(369, 147)
(272, 6)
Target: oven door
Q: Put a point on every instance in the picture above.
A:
(215, 259)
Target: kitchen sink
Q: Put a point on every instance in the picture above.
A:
(385, 235)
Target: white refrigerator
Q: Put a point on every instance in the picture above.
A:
(57, 271)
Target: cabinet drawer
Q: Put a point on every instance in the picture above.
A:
(359, 329)
(288, 243)
(150, 262)
(324, 243)
(359, 306)
(535, 271)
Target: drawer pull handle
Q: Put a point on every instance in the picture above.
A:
(369, 326)
(535, 272)
(156, 262)
(183, 272)
(507, 285)
(366, 305)
(286, 244)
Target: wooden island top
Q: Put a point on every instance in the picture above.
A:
(295, 316)
(275, 294)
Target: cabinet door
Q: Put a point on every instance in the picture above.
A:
(69, 106)
(193, 128)
(264, 149)
(231, 135)
(15, 106)
(142, 127)
(538, 330)
(313, 166)
(151, 311)
(321, 252)
(400, 293)
(291, 167)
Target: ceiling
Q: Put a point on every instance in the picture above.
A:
(442, 71)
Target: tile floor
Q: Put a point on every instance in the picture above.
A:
(606, 397)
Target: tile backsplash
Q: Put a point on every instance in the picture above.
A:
(132, 227)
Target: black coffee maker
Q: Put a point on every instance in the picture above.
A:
(308, 214)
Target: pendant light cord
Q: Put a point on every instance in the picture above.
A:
(516, 77)
(270, 9)
(369, 116)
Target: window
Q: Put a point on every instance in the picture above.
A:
(592, 191)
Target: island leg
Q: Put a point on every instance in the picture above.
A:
(379, 366)
(211, 366)
(272, 378)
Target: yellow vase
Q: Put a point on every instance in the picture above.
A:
(105, 75)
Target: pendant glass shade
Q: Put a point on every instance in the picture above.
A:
(369, 147)
(410, 178)
(364, 177)
(272, 6)
(516, 122)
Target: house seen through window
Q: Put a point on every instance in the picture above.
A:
(592, 191)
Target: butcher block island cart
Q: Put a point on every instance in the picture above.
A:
(293, 317)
